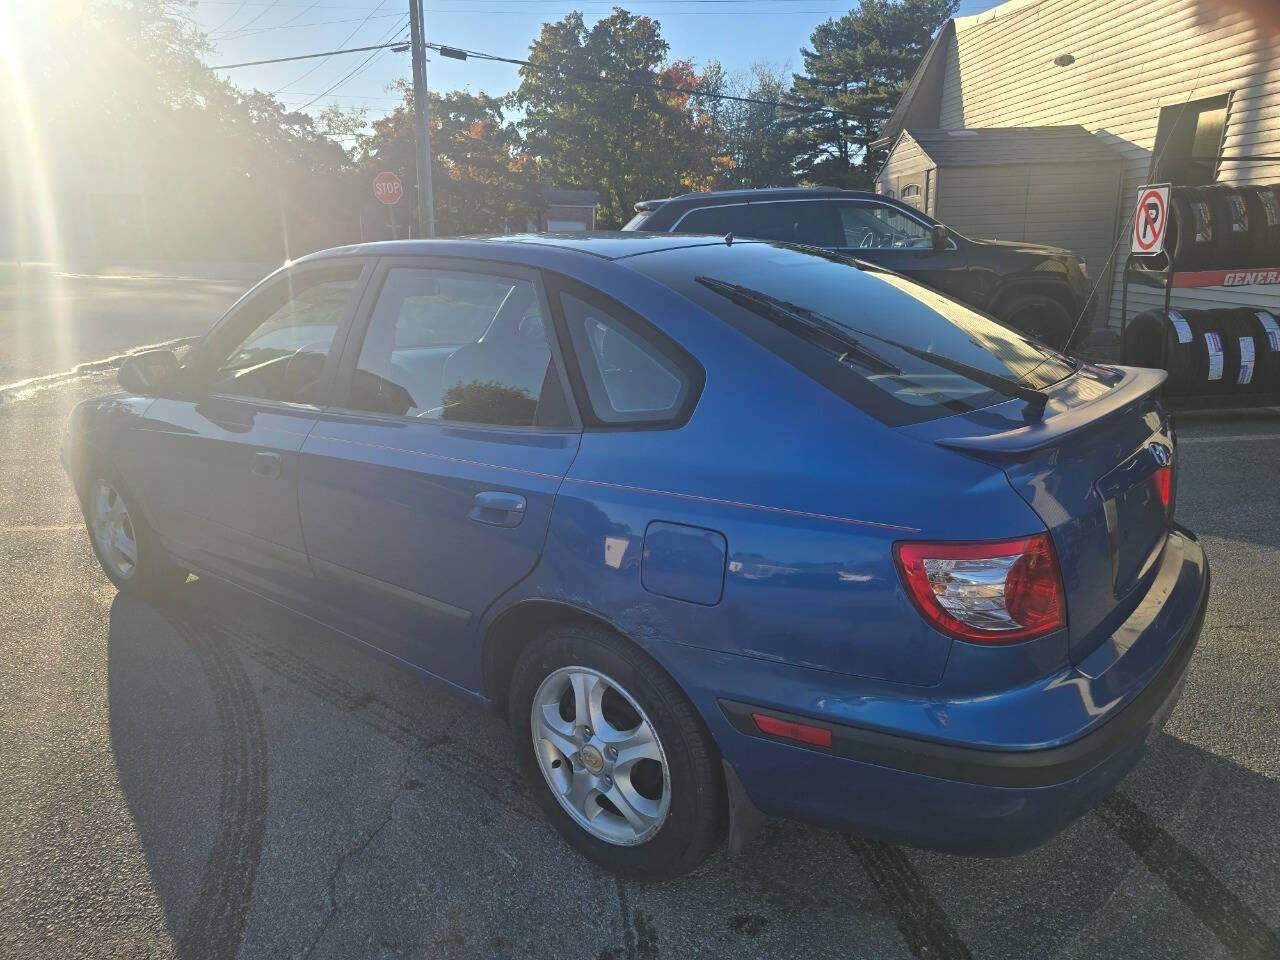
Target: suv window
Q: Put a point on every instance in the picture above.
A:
(811, 222)
(284, 353)
(458, 346)
(879, 227)
(629, 378)
(866, 334)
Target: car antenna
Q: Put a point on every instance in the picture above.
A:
(728, 239)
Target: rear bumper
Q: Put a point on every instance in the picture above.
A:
(969, 799)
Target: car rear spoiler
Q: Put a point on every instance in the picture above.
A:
(1134, 385)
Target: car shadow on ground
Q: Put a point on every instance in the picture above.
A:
(294, 794)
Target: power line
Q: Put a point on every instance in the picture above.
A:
(462, 53)
(254, 19)
(311, 56)
(359, 69)
(236, 35)
(345, 41)
(452, 52)
(348, 6)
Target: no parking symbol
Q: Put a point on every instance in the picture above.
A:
(1149, 220)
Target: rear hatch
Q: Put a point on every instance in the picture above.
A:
(1098, 470)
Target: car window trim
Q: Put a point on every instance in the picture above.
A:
(647, 332)
(861, 201)
(359, 327)
(199, 357)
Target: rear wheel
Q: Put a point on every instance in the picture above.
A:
(1039, 316)
(615, 753)
(127, 548)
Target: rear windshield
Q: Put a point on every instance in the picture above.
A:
(637, 222)
(891, 346)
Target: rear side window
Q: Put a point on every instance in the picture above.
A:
(811, 222)
(888, 345)
(630, 377)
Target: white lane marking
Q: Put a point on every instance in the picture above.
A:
(43, 528)
(144, 276)
(22, 389)
(1229, 438)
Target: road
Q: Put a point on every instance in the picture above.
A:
(51, 321)
(216, 778)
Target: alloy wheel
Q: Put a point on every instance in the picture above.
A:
(113, 529)
(600, 755)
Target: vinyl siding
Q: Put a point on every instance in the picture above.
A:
(906, 164)
(1132, 58)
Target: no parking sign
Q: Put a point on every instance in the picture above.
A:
(1149, 220)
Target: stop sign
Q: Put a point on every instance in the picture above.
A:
(388, 188)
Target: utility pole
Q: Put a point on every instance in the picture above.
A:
(418, 53)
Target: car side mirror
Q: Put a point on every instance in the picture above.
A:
(939, 235)
(152, 373)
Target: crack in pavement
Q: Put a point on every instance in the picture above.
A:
(403, 786)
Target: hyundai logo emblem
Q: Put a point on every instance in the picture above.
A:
(1163, 455)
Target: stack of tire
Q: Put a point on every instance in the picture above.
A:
(1221, 227)
(1234, 350)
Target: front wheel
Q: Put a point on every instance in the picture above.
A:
(129, 551)
(616, 754)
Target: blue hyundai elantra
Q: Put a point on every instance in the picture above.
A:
(726, 529)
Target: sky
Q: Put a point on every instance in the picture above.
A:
(738, 33)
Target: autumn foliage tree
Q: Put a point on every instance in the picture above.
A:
(596, 116)
(481, 180)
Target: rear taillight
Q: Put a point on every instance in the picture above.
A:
(1162, 480)
(986, 592)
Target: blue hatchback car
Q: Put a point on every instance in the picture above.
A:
(726, 529)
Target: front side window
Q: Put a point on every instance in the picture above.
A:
(458, 346)
(878, 227)
(284, 353)
(628, 377)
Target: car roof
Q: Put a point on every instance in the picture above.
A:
(606, 245)
(754, 193)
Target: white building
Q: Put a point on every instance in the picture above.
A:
(1185, 91)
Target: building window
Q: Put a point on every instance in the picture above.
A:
(1189, 140)
(911, 195)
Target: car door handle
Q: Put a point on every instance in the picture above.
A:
(497, 508)
(267, 464)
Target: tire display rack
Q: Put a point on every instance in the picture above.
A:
(1147, 271)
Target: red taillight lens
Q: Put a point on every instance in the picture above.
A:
(986, 592)
(1162, 480)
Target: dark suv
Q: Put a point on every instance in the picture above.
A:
(1039, 290)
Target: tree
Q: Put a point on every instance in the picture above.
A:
(224, 172)
(626, 139)
(481, 181)
(751, 141)
(853, 77)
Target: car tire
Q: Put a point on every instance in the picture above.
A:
(127, 548)
(1038, 315)
(673, 786)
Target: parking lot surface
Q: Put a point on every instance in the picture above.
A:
(52, 321)
(216, 778)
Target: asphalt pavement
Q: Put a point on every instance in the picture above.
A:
(52, 321)
(217, 778)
